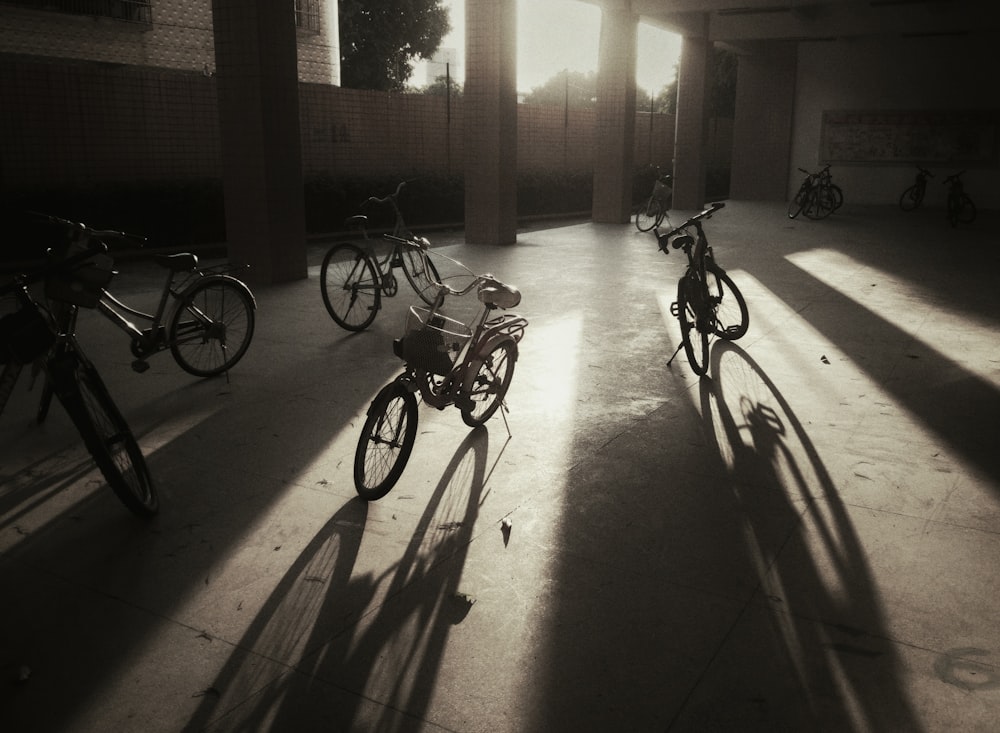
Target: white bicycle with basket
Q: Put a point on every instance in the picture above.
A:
(448, 362)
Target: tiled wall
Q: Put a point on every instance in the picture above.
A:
(77, 123)
(180, 37)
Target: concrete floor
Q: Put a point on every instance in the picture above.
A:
(808, 541)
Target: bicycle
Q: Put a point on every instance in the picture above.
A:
(651, 212)
(817, 197)
(211, 323)
(30, 335)
(961, 210)
(446, 361)
(708, 301)
(913, 196)
(354, 278)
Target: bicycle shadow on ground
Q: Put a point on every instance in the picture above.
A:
(363, 646)
(824, 661)
(241, 468)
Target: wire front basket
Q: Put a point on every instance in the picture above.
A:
(433, 344)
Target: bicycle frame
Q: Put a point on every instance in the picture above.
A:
(153, 339)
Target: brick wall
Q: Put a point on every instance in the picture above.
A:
(75, 123)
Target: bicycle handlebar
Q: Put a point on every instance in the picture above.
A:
(421, 245)
(391, 198)
(94, 246)
(706, 214)
(80, 229)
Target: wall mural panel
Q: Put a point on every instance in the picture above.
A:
(959, 137)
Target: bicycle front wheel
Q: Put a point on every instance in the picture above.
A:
(648, 214)
(911, 198)
(795, 205)
(423, 278)
(212, 326)
(690, 300)
(732, 318)
(105, 433)
(386, 441)
(490, 384)
(350, 287)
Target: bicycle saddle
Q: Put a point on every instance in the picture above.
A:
(358, 220)
(495, 293)
(183, 262)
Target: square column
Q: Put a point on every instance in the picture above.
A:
(614, 137)
(691, 131)
(258, 93)
(490, 103)
(762, 130)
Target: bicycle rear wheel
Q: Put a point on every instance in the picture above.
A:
(961, 210)
(818, 204)
(690, 300)
(386, 441)
(212, 326)
(350, 287)
(423, 279)
(490, 384)
(837, 195)
(648, 214)
(732, 318)
(105, 433)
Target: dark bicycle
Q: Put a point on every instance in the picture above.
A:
(961, 210)
(913, 196)
(708, 302)
(30, 334)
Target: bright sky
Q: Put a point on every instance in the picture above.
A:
(553, 35)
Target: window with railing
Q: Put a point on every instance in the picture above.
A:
(307, 14)
(129, 11)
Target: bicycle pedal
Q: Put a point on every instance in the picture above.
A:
(140, 365)
(674, 310)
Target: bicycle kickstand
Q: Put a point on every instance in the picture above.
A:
(676, 352)
(503, 414)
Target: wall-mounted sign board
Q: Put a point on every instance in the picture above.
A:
(956, 137)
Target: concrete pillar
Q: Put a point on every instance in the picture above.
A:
(258, 93)
(490, 105)
(691, 133)
(762, 130)
(614, 138)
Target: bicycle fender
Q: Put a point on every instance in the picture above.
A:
(218, 278)
(488, 345)
(396, 386)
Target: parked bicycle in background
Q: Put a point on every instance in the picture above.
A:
(31, 335)
(708, 302)
(913, 196)
(960, 210)
(448, 362)
(651, 212)
(818, 196)
(354, 278)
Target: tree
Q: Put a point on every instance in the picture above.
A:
(567, 87)
(440, 88)
(381, 39)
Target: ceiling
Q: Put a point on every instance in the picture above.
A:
(743, 24)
